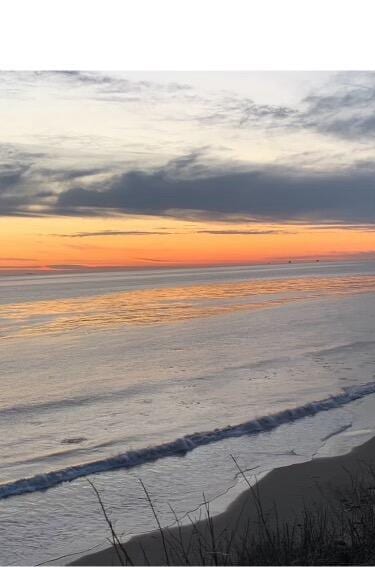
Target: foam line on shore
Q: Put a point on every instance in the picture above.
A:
(184, 444)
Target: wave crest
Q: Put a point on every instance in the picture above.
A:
(183, 445)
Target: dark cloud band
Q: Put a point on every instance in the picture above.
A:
(270, 195)
(266, 194)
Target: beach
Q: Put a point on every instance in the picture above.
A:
(187, 284)
(312, 485)
(161, 376)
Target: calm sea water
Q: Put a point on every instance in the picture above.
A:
(162, 375)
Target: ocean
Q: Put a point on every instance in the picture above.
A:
(163, 375)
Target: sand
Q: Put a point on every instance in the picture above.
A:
(289, 488)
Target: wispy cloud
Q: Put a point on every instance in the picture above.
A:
(242, 112)
(249, 232)
(345, 226)
(113, 233)
(346, 108)
(103, 86)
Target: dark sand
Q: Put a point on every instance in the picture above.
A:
(288, 488)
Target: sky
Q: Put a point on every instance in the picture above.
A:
(164, 169)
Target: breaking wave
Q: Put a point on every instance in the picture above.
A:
(184, 444)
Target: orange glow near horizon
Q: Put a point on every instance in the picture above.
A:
(52, 243)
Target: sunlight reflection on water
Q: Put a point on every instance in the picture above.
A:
(158, 306)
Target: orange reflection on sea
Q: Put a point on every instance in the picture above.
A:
(164, 305)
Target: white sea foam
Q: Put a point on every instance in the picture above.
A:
(184, 444)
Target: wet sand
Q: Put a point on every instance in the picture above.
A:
(289, 489)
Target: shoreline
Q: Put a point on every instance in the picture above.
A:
(289, 488)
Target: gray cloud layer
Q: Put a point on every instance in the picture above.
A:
(268, 194)
(185, 188)
(192, 186)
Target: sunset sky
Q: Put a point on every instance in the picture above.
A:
(116, 169)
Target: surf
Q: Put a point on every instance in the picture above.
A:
(183, 445)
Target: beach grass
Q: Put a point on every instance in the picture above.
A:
(340, 530)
